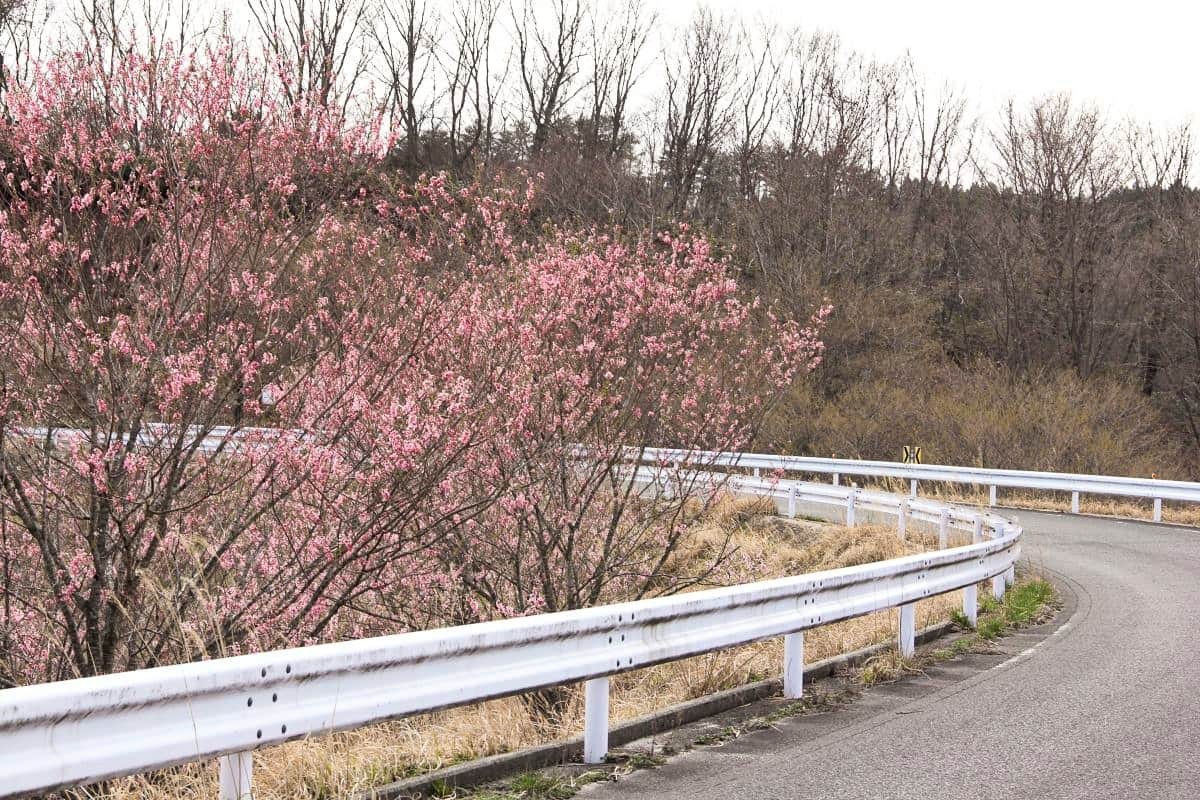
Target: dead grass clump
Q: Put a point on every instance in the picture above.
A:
(839, 546)
(887, 667)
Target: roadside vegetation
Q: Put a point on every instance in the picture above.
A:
(761, 546)
(1031, 601)
(1175, 513)
(406, 259)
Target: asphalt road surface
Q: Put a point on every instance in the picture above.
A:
(1107, 705)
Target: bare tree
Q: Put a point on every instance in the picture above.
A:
(617, 46)
(1063, 235)
(1180, 292)
(21, 25)
(939, 125)
(549, 56)
(758, 103)
(318, 42)
(1161, 164)
(698, 106)
(810, 71)
(472, 90)
(405, 34)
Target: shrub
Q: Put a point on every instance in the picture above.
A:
(402, 377)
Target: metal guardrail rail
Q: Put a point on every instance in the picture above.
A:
(226, 439)
(1075, 484)
(81, 731)
(220, 438)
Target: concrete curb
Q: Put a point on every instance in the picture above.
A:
(485, 770)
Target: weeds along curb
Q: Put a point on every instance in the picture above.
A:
(492, 768)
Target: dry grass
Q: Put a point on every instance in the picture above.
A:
(1125, 508)
(342, 765)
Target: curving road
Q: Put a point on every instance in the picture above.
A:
(1106, 704)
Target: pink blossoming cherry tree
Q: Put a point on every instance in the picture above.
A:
(452, 389)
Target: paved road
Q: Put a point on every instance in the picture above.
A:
(1108, 706)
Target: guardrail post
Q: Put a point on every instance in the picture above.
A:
(791, 509)
(908, 630)
(902, 520)
(944, 530)
(1074, 502)
(912, 488)
(757, 473)
(1158, 509)
(850, 500)
(971, 604)
(236, 776)
(998, 582)
(595, 721)
(971, 593)
(793, 665)
(837, 479)
(992, 495)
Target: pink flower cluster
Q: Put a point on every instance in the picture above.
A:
(181, 251)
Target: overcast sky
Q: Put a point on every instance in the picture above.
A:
(1139, 58)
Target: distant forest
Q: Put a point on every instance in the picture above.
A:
(1013, 287)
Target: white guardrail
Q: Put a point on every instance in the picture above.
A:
(227, 439)
(1075, 484)
(81, 731)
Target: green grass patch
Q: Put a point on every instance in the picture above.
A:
(644, 761)
(1028, 602)
(440, 788)
(541, 786)
(990, 627)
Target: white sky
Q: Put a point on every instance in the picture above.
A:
(1138, 59)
